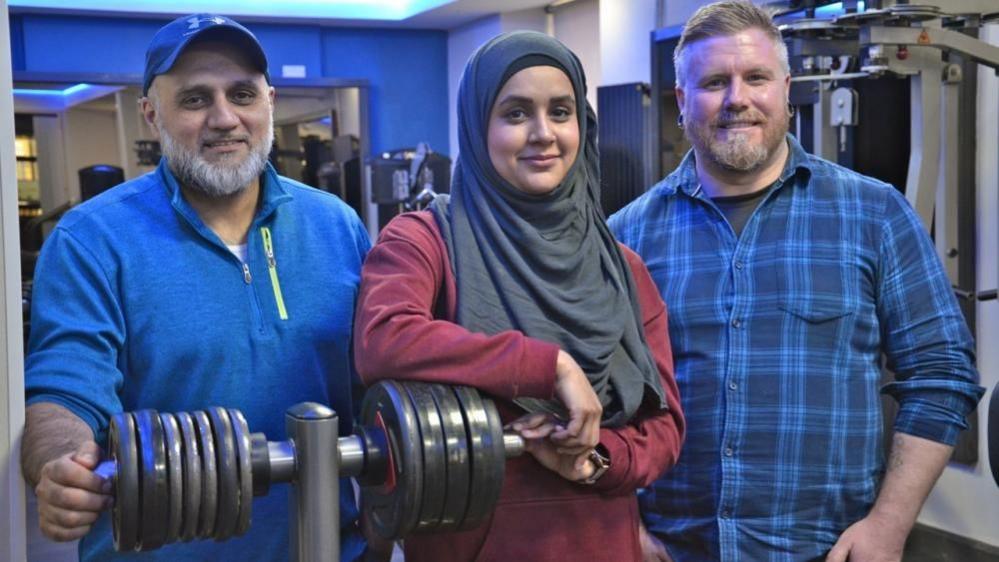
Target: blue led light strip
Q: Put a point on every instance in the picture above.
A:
(76, 89)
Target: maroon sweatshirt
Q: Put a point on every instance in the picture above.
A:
(404, 329)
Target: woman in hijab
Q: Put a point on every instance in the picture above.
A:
(515, 286)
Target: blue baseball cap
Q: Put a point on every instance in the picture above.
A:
(171, 40)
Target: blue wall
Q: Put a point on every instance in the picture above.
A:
(406, 69)
(16, 43)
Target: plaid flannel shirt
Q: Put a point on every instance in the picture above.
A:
(778, 337)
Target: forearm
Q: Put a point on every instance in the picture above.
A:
(398, 335)
(639, 453)
(50, 431)
(913, 468)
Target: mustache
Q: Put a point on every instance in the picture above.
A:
(728, 119)
(225, 138)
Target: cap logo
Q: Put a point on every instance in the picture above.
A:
(196, 22)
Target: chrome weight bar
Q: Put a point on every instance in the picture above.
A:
(428, 457)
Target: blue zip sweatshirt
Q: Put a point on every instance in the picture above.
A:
(137, 304)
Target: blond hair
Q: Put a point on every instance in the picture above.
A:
(727, 17)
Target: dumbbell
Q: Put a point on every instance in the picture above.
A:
(428, 458)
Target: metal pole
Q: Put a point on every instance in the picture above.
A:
(924, 158)
(315, 493)
(946, 213)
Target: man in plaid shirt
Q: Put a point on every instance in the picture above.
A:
(787, 278)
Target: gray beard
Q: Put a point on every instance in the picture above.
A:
(739, 154)
(220, 179)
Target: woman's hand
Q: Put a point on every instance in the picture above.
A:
(575, 468)
(573, 390)
(536, 430)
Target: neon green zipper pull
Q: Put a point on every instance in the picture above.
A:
(265, 233)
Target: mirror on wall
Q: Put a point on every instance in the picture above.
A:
(317, 140)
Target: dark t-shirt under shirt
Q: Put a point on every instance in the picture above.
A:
(738, 208)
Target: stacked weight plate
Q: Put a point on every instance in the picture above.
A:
(180, 477)
(446, 458)
(188, 476)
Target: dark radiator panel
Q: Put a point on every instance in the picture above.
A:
(624, 117)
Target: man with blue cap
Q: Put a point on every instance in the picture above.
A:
(211, 281)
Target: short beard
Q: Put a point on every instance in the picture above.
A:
(220, 179)
(738, 154)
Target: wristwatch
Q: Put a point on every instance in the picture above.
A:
(601, 463)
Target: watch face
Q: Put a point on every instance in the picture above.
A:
(601, 464)
(600, 456)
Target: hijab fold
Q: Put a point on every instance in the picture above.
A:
(546, 265)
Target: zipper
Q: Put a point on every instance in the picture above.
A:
(272, 269)
(246, 274)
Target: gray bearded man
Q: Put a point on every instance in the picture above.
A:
(211, 281)
(787, 279)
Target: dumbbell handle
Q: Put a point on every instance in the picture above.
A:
(279, 456)
(513, 444)
(358, 455)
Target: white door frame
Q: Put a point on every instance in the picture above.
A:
(12, 537)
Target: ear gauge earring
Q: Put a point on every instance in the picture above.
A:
(679, 121)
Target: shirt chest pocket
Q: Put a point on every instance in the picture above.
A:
(817, 290)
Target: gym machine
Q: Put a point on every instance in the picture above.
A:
(407, 179)
(933, 44)
(428, 457)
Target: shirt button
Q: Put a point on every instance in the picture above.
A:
(738, 265)
(732, 385)
(729, 451)
(726, 514)
(736, 323)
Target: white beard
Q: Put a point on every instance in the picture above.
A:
(219, 179)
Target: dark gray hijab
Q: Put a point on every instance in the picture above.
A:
(546, 265)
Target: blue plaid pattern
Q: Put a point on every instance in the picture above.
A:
(778, 338)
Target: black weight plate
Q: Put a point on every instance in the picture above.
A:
(153, 479)
(393, 507)
(375, 468)
(209, 476)
(243, 448)
(228, 470)
(458, 466)
(125, 513)
(175, 477)
(434, 455)
(192, 475)
(483, 490)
